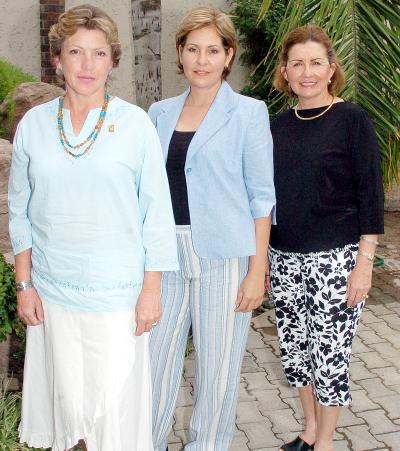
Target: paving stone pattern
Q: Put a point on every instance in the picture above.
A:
(268, 412)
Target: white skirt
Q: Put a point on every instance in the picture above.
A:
(86, 376)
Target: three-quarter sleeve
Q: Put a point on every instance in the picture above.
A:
(258, 164)
(19, 193)
(158, 233)
(367, 175)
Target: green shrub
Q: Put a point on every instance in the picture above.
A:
(10, 78)
(10, 412)
(10, 416)
(255, 41)
(9, 321)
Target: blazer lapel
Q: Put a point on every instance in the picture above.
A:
(167, 120)
(219, 113)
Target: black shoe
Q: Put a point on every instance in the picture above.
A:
(298, 444)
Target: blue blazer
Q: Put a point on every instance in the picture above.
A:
(229, 171)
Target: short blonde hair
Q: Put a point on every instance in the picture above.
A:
(208, 16)
(91, 18)
(301, 35)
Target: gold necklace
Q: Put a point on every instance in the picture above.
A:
(316, 116)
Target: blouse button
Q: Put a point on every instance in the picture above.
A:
(188, 170)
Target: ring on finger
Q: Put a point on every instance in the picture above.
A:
(364, 297)
(155, 324)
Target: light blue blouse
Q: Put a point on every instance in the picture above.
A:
(94, 223)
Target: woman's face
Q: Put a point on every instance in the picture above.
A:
(308, 71)
(203, 58)
(85, 61)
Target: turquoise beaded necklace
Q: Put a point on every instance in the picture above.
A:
(90, 140)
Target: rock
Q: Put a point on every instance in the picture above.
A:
(26, 96)
(5, 161)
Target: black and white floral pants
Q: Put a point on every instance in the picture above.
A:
(315, 326)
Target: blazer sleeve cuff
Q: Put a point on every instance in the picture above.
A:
(263, 212)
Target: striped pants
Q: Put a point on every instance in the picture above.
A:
(201, 294)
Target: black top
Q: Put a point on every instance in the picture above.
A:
(327, 179)
(176, 160)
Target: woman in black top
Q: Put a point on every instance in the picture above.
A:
(329, 214)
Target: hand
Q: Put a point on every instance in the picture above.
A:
(148, 310)
(29, 307)
(359, 282)
(251, 293)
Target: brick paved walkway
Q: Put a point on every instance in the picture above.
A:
(268, 410)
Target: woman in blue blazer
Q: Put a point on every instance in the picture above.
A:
(218, 151)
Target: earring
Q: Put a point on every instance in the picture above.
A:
(110, 72)
(59, 72)
(329, 82)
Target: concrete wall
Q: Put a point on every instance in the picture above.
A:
(20, 41)
(19, 34)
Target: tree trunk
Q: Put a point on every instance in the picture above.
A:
(146, 30)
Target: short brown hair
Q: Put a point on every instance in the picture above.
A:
(207, 16)
(91, 18)
(301, 35)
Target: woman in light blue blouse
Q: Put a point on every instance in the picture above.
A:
(218, 151)
(92, 229)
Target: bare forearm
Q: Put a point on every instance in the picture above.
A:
(360, 278)
(23, 265)
(257, 263)
(251, 291)
(366, 250)
(152, 281)
(29, 304)
(148, 306)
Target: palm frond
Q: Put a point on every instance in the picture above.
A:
(365, 34)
